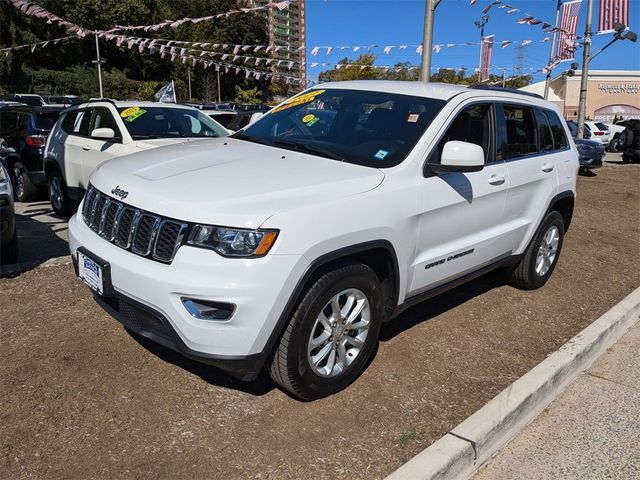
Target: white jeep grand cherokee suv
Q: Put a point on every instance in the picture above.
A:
(89, 134)
(288, 244)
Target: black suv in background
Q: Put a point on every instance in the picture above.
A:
(629, 142)
(25, 129)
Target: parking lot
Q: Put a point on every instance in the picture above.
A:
(81, 397)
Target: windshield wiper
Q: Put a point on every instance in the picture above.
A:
(143, 137)
(302, 147)
(249, 138)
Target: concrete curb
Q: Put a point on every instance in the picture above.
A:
(461, 451)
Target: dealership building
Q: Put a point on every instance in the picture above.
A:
(610, 93)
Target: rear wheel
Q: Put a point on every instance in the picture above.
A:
(331, 335)
(541, 256)
(58, 197)
(23, 189)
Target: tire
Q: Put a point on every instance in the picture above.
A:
(58, 196)
(613, 144)
(23, 189)
(626, 158)
(530, 273)
(291, 363)
(9, 252)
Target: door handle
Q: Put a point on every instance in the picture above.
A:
(496, 179)
(547, 167)
(86, 148)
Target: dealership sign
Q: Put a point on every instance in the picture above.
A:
(633, 88)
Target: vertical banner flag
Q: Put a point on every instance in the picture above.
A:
(569, 24)
(487, 50)
(612, 12)
(166, 94)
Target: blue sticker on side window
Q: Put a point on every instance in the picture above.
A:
(381, 154)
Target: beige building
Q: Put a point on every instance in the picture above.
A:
(610, 93)
(288, 36)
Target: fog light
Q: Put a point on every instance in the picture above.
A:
(207, 310)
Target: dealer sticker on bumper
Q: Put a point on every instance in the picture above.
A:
(90, 273)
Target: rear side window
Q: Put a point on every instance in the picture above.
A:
(521, 135)
(557, 130)
(77, 122)
(8, 120)
(601, 126)
(544, 132)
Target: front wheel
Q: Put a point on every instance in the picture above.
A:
(332, 334)
(540, 259)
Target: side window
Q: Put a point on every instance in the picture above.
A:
(559, 137)
(544, 132)
(102, 118)
(473, 125)
(521, 135)
(8, 121)
(69, 121)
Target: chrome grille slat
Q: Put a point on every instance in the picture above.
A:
(138, 231)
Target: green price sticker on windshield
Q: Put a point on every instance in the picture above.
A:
(130, 114)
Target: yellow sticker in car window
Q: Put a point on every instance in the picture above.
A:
(299, 100)
(130, 114)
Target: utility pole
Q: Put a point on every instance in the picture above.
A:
(189, 76)
(219, 94)
(585, 70)
(480, 25)
(427, 39)
(98, 61)
(553, 51)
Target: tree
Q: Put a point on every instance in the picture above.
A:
(346, 69)
(249, 95)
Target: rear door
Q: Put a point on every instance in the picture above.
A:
(76, 129)
(97, 150)
(529, 153)
(461, 225)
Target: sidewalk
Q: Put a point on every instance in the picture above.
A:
(591, 431)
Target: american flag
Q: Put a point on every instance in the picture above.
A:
(612, 12)
(487, 50)
(568, 26)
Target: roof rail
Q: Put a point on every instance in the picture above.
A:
(479, 86)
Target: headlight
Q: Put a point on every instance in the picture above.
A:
(584, 147)
(233, 242)
(5, 184)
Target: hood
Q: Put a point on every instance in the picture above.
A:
(229, 182)
(162, 142)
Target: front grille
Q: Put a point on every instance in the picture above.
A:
(138, 231)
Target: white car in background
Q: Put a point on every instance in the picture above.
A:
(599, 132)
(89, 134)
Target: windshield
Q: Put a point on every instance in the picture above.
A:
(375, 129)
(167, 122)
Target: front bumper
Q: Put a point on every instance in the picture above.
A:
(147, 299)
(591, 160)
(7, 219)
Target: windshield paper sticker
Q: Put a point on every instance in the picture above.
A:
(381, 154)
(130, 114)
(309, 119)
(299, 100)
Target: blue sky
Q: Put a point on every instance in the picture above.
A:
(400, 22)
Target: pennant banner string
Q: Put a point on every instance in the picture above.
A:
(31, 9)
(33, 46)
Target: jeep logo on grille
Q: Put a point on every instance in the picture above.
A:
(121, 194)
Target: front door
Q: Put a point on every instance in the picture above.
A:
(97, 150)
(462, 222)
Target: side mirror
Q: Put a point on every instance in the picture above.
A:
(461, 157)
(256, 116)
(103, 133)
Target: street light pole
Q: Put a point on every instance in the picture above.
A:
(553, 51)
(98, 61)
(427, 40)
(480, 25)
(585, 70)
(189, 75)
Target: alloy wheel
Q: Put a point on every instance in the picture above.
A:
(547, 251)
(339, 333)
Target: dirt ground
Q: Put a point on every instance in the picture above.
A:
(82, 398)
